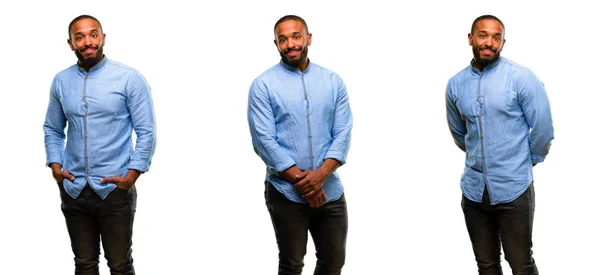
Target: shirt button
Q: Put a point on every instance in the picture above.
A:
(85, 136)
(481, 136)
(86, 157)
(480, 115)
(312, 156)
(308, 115)
(310, 136)
(84, 97)
(85, 115)
(483, 156)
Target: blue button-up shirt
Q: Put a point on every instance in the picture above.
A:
(501, 118)
(102, 107)
(300, 119)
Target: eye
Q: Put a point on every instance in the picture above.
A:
(296, 37)
(281, 40)
(78, 37)
(94, 35)
(497, 38)
(482, 36)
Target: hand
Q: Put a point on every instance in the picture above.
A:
(291, 174)
(58, 174)
(123, 183)
(317, 200)
(311, 182)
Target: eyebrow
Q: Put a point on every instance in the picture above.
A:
(93, 30)
(294, 33)
(482, 31)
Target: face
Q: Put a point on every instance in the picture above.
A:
(487, 41)
(292, 41)
(87, 41)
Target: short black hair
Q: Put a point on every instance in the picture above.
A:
(291, 17)
(81, 17)
(484, 17)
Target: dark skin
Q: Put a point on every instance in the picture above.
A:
(87, 41)
(487, 41)
(122, 182)
(310, 182)
(292, 40)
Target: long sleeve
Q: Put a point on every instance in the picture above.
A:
(342, 125)
(262, 130)
(457, 126)
(141, 110)
(54, 128)
(536, 108)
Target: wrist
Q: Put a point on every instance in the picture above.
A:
(133, 174)
(55, 166)
(328, 167)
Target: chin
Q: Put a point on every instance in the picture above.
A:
(294, 62)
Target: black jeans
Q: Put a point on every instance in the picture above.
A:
(509, 224)
(91, 219)
(328, 226)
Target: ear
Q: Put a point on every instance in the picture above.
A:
(70, 44)
(470, 36)
(103, 39)
(309, 38)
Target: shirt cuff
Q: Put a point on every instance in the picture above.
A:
(280, 167)
(51, 159)
(139, 165)
(337, 156)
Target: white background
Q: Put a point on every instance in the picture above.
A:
(201, 207)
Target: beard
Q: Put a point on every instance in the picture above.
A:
(295, 62)
(89, 62)
(484, 61)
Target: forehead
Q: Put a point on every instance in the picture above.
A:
(489, 25)
(288, 27)
(85, 25)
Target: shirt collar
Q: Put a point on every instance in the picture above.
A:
(488, 67)
(294, 69)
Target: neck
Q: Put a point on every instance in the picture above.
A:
(478, 66)
(302, 66)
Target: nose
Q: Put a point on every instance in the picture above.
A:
(289, 44)
(488, 41)
(87, 41)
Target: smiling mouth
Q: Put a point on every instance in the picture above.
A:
(292, 53)
(487, 52)
(89, 51)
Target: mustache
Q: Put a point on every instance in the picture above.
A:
(84, 48)
(488, 48)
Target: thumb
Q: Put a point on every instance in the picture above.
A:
(68, 176)
(301, 174)
(107, 180)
